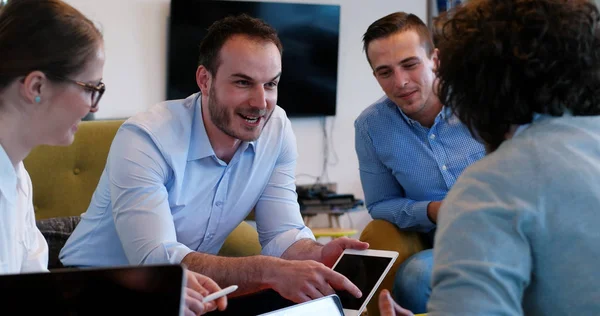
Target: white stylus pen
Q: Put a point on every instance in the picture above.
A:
(220, 293)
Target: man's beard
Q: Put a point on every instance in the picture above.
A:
(219, 116)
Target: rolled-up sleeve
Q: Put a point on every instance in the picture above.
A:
(278, 219)
(138, 172)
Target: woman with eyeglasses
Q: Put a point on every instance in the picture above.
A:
(51, 65)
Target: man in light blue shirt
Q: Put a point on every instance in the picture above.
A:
(518, 233)
(411, 149)
(182, 176)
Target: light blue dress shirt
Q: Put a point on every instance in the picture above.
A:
(164, 193)
(404, 166)
(518, 233)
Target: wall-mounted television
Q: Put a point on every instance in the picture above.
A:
(309, 34)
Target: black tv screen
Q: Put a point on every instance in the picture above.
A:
(309, 34)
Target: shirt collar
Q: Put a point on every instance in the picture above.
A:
(8, 177)
(200, 146)
(444, 113)
(406, 118)
(536, 117)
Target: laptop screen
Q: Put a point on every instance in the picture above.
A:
(328, 305)
(140, 290)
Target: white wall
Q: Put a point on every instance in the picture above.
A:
(135, 74)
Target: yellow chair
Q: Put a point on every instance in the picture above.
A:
(64, 179)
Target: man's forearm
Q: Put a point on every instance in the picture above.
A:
(405, 213)
(250, 274)
(303, 249)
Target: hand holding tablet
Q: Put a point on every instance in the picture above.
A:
(332, 251)
(303, 280)
(366, 269)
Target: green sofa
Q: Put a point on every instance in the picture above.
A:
(64, 179)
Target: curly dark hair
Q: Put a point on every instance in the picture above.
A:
(503, 61)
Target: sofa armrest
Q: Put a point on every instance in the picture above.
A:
(56, 231)
(383, 235)
(243, 241)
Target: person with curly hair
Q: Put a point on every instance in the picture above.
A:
(518, 232)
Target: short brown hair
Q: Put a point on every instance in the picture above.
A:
(46, 35)
(394, 23)
(222, 30)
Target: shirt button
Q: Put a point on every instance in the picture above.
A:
(219, 203)
(432, 136)
(444, 168)
(76, 171)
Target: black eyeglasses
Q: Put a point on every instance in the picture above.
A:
(97, 90)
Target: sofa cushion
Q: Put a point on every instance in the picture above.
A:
(64, 178)
(56, 231)
(243, 241)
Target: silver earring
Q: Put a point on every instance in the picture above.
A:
(37, 99)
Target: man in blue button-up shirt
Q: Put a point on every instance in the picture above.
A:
(411, 149)
(182, 176)
(518, 233)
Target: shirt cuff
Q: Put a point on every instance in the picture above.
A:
(283, 241)
(422, 221)
(168, 253)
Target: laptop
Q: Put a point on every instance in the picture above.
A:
(132, 290)
(327, 305)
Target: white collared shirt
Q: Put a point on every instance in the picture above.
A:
(23, 248)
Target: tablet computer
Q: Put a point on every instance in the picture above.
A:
(327, 305)
(125, 290)
(366, 269)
